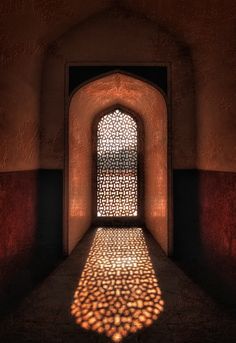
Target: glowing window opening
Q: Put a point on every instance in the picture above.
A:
(117, 154)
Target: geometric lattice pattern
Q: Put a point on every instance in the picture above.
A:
(117, 165)
(118, 292)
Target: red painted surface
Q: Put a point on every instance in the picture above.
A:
(217, 224)
(18, 222)
(211, 204)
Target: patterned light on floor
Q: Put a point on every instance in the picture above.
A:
(118, 291)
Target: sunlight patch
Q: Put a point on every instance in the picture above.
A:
(118, 292)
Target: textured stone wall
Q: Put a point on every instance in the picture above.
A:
(203, 70)
(204, 230)
(26, 29)
(19, 115)
(118, 37)
(208, 28)
(217, 208)
(18, 226)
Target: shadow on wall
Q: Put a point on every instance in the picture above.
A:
(204, 230)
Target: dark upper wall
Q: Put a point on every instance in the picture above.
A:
(26, 29)
(118, 37)
(208, 27)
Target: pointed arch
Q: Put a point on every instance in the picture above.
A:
(150, 104)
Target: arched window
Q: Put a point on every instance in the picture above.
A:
(117, 165)
(146, 105)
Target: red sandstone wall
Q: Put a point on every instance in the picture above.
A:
(217, 223)
(20, 59)
(205, 229)
(23, 39)
(18, 224)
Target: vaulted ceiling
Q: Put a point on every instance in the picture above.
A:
(33, 24)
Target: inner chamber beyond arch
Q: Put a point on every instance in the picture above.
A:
(117, 165)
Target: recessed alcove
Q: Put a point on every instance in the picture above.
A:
(117, 89)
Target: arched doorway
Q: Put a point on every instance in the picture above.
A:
(118, 167)
(85, 103)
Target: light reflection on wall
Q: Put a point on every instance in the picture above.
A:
(118, 291)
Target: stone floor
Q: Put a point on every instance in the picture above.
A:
(189, 315)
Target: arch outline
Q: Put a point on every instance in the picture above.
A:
(146, 100)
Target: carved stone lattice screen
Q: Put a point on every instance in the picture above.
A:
(117, 165)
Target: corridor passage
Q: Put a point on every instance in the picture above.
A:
(117, 286)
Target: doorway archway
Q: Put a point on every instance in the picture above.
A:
(149, 102)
